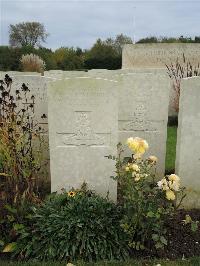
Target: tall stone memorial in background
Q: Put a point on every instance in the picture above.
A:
(154, 57)
(188, 140)
(83, 128)
(143, 111)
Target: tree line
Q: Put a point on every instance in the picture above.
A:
(27, 37)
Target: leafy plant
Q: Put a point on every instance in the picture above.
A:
(75, 225)
(12, 221)
(147, 203)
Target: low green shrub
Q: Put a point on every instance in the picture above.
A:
(77, 225)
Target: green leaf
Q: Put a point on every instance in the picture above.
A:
(10, 209)
(150, 214)
(155, 237)
(194, 226)
(163, 240)
(18, 227)
(11, 218)
(10, 247)
(159, 245)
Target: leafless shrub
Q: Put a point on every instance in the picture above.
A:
(179, 70)
(32, 63)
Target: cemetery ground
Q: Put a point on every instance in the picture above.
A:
(183, 243)
(186, 262)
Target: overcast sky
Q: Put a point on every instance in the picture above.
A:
(80, 23)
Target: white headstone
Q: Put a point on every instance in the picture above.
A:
(37, 86)
(20, 73)
(115, 75)
(188, 140)
(74, 74)
(56, 74)
(82, 115)
(143, 112)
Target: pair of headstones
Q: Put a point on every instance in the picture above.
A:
(88, 117)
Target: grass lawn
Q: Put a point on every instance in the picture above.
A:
(171, 148)
(191, 262)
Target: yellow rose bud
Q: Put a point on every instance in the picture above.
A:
(170, 195)
(188, 219)
(135, 167)
(153, 159)
(137, 177)
(127, 169)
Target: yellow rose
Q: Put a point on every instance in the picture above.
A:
(137, 145)
(174, 177)
(170, 195)
(134, 145)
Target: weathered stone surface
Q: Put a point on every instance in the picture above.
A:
(56, 74)
(17, 73)
(157, 55)
(37, 86)
(82, 116)
(188, 140)
(115, 75)
(143, 111)
(20, 73)
(60, 74)
(74, 74)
